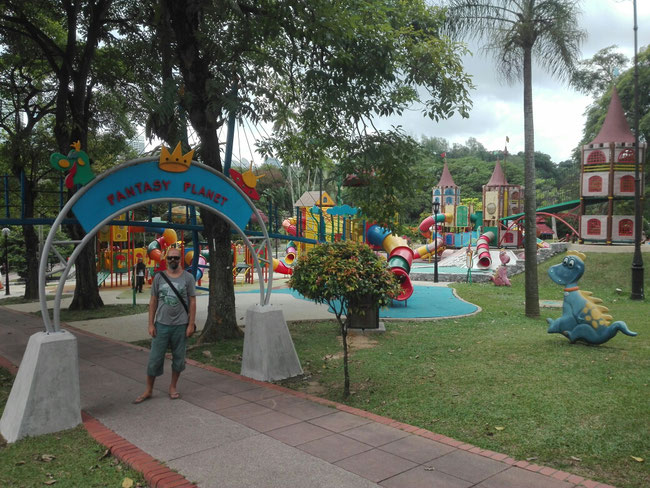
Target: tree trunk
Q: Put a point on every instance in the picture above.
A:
(222, 321)
(86, 290)
(170, 130)
(346, 373)
(31, 244)
(530, 202)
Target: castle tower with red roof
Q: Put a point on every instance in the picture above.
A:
(607, 174)
(501, 199)
(446, 192)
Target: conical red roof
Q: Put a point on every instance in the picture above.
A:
(498, 177)
(446, 179)
(615, 128)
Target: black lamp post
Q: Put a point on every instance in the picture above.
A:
(637, 260)
(436, 209)
(5, 232)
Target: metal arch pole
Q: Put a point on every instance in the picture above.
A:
(49, 327)
(64, 276)
(264, 298)
(42, 268)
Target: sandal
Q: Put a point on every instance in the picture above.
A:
(141, 399)
(174, 396)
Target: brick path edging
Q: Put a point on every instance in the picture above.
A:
(545, 471)
(155, 473)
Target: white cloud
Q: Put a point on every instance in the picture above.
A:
(558, 109)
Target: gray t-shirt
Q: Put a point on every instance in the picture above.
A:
(170, 310)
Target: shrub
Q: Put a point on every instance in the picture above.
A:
(341, 274)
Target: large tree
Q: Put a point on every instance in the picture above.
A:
(66, 35)
(70, 60)
(27, 92)
(597, 74)
(516, 31)
(319, 71)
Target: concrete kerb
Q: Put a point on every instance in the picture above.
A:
(127, 452)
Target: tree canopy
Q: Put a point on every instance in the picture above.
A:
(597, 111)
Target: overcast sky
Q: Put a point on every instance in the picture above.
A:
(558, 109)
(498, 108)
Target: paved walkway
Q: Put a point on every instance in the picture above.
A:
(134, 327)
(228, 431)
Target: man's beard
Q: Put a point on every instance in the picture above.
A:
(173, 265)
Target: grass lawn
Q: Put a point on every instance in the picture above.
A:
(70, 459)
(19, 300)
(107, 311)
(498, 380)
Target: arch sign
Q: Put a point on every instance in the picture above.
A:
(45, 396)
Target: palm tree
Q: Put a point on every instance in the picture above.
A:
(515, 31)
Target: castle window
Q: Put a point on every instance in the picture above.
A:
(626, 156)
(596, 157)
(450, 200)
(625, 228)
(595, 184)
(627, 184)
(593, 227)
(449, 191)
(436, 191)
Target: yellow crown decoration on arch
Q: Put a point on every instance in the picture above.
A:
(176, 162)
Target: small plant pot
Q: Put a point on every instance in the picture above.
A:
(364, 314)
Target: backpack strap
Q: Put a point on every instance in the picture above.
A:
(166, 278)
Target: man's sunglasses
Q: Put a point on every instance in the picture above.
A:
(173, 258)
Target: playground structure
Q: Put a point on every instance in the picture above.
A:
(318, 219)
(459, 223)
(243, 263)
(96, 205)
(607, 177)
(501, 199)
(117, 252)
(607, 172)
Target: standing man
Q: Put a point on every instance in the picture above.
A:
(140, 270)
(170, 322)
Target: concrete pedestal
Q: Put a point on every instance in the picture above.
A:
(269, 353)
(45, 397)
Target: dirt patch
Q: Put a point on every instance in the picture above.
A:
(313, 388)
(355, 342)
